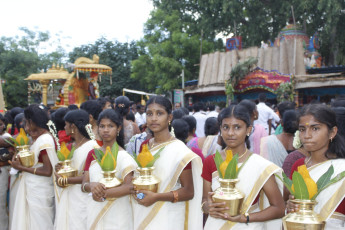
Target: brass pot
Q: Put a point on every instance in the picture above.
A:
(67, 170)
(228, 193)
(305, 218)
(146, 180)
(27, 158)
(110, 181)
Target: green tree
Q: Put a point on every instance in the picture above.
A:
(259, 20)
(19, 58)
(169, 45)
(116, 55)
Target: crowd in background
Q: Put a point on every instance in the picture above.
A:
(264, 137)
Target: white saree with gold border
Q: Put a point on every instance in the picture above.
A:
(111, 215)
(329, 199)
(71, 207)
(34, 206)
(252, 178)
(168, 168)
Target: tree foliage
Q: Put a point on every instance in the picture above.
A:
(173, 33)
(169, 45)
(260, 20)
(19, 57)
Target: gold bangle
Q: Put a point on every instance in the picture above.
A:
(175, 194)
(66, 182)
(60, 181)
(202, 206)
(83, 187)
(35, 171)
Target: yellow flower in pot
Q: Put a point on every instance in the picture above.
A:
(65, 155)
(145, 160)
(107, 162)
(305, 190)
(21, 143)
(227, 192)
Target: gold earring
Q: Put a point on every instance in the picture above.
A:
(72, 131)
(331, 139)
(169, 122)
(118, 133)
(248, 134)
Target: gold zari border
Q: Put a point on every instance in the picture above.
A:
(101, 214)
(252, 195)
(158, 205)
(332, 203)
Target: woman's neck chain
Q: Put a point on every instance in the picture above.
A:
(78, 145)
(155, 144)
(239, 157)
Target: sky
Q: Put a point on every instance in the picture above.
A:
(72, 23)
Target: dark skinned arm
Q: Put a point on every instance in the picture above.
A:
(274, 211)
(186, 192)
(45, 170)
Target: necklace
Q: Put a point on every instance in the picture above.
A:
(154, 144)
(243, 154)
(306, 163)
(78, 145)
(239, 156)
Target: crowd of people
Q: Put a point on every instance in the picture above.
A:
(38, 197)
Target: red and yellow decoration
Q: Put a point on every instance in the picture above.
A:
(262, 79)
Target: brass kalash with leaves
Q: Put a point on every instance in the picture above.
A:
(65, 158)
(107, 161)
(228, 177)
(305, 191)
(21, 143)
(65, 155)
(146, 179)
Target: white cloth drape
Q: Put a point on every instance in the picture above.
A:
(3, 195)
(72, 206)
(329, 199)
(168, 168)
(34, 206)
(252, 178)
(273, 150)
(111, 215)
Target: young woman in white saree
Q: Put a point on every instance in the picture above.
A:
(115, 213)
(320, 138)
(263, 203)
(34, 202)
(176, 205)
(72, 202)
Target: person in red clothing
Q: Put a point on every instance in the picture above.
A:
(319, 136)
(118, 214)
(71, 196)
(34, 202)
(255, 177)
(176, 203)
(58, 118)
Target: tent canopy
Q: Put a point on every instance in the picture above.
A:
(137, 92)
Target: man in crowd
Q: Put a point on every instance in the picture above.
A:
(200, 119)
(140, 117)
(266, 114)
